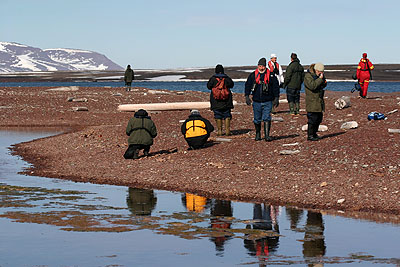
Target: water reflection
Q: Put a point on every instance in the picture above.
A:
(220, 210)
(314, 241)
(92, 215)
(264, 218)
(141, 202)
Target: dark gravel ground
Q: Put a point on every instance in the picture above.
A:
(353, 171)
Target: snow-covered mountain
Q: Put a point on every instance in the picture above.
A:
(16, 57)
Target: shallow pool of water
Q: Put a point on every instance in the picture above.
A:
(52, 222)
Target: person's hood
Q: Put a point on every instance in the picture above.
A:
(311, 69)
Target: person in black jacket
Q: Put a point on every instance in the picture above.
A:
(221, 107)
(257, 85)
(129, 76)
(294, 77)
(196, 130)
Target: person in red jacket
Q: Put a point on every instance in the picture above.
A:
(364, 74)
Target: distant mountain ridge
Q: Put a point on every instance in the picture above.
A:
(16, 57)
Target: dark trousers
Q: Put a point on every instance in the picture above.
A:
(314, 118)
(131, 149)
(293, 95)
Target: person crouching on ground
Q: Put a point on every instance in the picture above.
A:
(141, 131)
(257, 85)
(196, 130)
(221, 99)
(314, 83)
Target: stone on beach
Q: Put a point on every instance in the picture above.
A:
(343, 102)
(80, 109)
(289, 152)
(349, 125)
(394, 130)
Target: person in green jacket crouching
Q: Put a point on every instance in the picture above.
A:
(314, 83)
(141, 131)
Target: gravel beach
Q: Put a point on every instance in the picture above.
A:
(356, 170)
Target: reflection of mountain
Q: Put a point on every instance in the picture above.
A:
(314, 241)
(141, 201)
(219, 210)
(264, 217)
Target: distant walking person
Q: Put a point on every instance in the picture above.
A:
(364, 74)
(221, 99)
(128, 78)
(196, 130)
(276, 79)
(294, 77)
(257, 85)
(314, 83)
(141, 131)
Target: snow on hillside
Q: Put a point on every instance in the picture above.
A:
(16, 57)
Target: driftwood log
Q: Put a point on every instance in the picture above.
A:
(166, 106)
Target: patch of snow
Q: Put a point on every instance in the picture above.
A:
(26, 63)
(68, 50)
(168, 78)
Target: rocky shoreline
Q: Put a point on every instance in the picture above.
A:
(354, 170)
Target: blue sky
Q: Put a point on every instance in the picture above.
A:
(179, 34)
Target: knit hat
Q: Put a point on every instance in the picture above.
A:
(195, 112)
(273, 55)
(219, 69)
(319, 67)
(364, 55)
(262, 61)
(141, 113)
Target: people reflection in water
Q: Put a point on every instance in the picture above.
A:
(265, 218)
(141, 202)
(314, 242)
(294, 215)
(194, 202)
(220, 209)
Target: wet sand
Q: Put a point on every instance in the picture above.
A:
(354, 170)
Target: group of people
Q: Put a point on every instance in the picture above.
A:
(262, 89)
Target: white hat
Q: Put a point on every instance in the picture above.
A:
(319, 67)
(273, 55)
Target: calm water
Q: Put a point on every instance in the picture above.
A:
(51, 222)
(385, 87)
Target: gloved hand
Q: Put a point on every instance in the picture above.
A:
(275, 102)
(248, 100)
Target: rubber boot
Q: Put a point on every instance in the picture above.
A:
(310, 132)
(219, 127)
(297, 108)
(315, 130)
(228, 126)
(267, 129)
(258, 131)
(136, 154)
(291, 108)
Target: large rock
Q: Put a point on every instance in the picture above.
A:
(343, 102)
(349, 125)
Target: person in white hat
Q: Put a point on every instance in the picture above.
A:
(276, 79)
